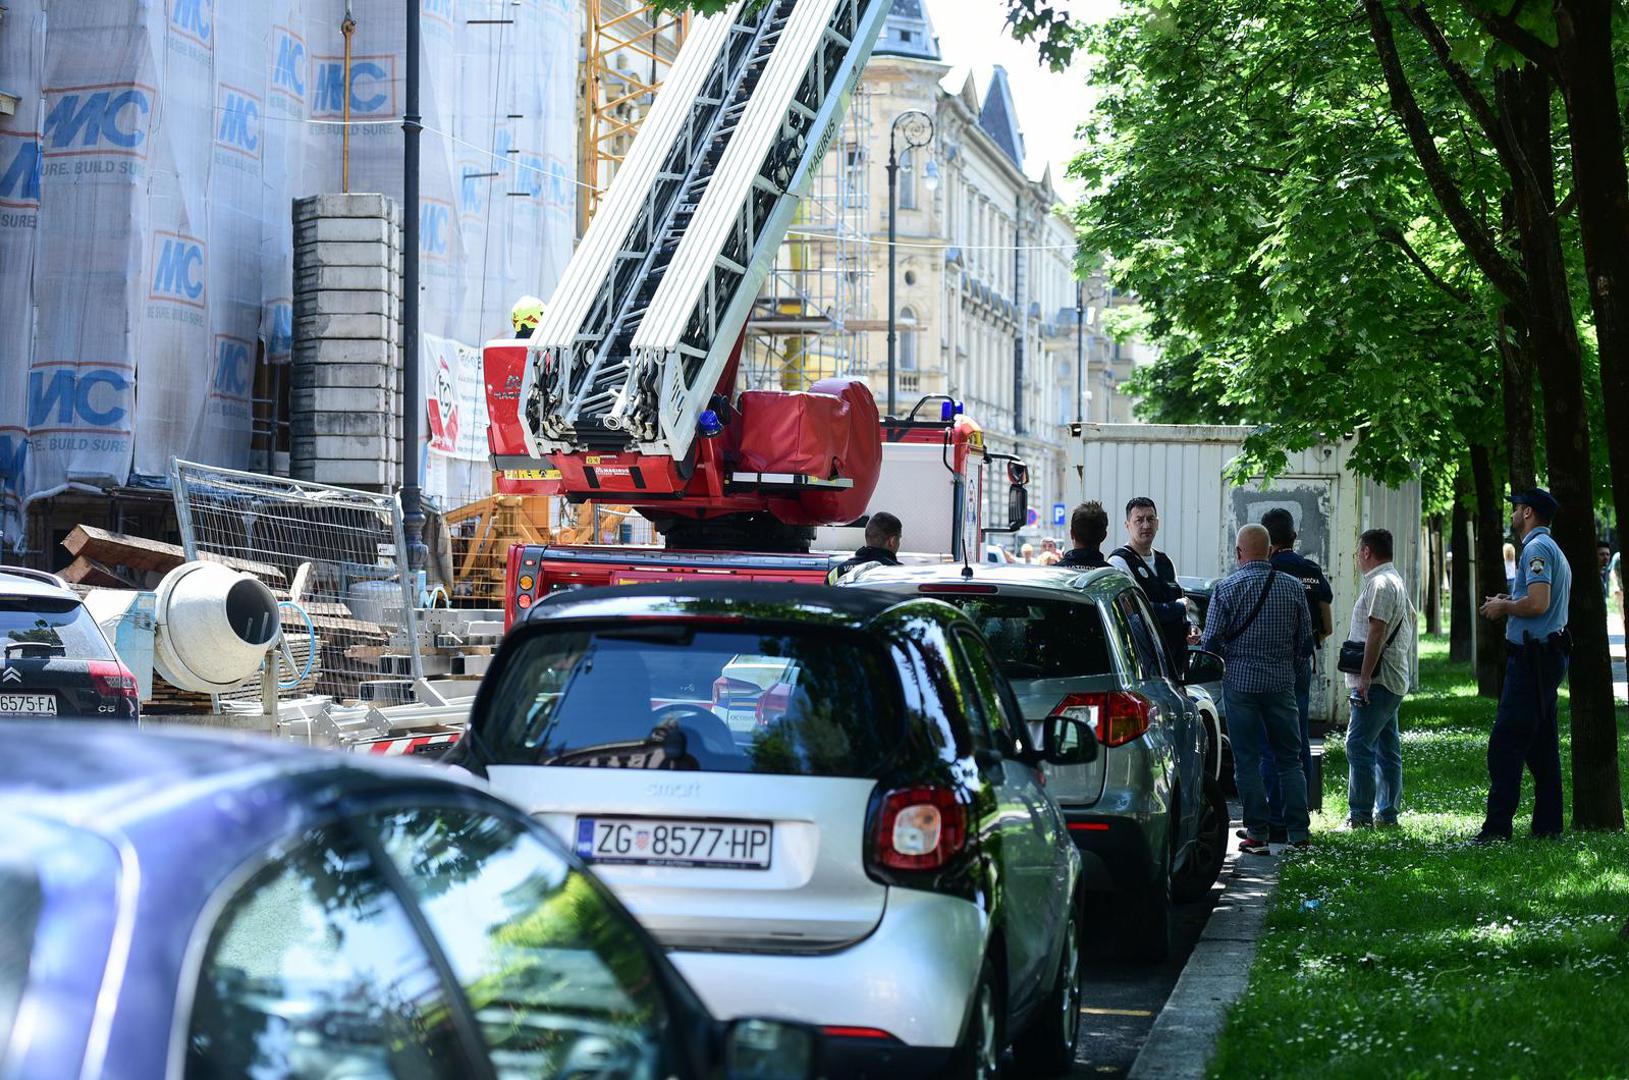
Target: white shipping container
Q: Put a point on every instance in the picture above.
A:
(1183, 469)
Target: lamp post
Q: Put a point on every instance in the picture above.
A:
(412, 495)
(917, 128)
(1080, 351)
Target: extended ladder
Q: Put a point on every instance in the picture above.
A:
(651, 305)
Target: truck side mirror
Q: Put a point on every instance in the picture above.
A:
(1017, 473)
(1017, 507)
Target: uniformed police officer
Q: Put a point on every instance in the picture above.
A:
(1536, 639)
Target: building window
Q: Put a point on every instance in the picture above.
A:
(907, 339)
(907, 180)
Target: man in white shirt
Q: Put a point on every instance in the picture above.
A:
(1383, 620)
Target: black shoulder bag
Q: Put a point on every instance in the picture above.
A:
(1350, 660)
(1261, 601)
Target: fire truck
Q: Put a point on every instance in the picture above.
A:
(626, 392)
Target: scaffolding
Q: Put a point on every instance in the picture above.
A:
(628, 50)
(806, 323)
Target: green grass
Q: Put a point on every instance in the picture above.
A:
(1403, 953)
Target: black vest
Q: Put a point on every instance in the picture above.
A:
(1158, 583)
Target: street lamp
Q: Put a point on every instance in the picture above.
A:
(917, 128)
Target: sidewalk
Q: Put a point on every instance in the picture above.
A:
(1184, 1035)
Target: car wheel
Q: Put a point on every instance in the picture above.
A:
(1048, 1047)
(978, 1057)
(1146, 915)
(1204, 864)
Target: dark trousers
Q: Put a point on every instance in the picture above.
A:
(1524, 734)
(1269, 769)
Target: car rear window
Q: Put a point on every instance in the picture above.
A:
(1041, 639)
(681, 697)
(42, 627)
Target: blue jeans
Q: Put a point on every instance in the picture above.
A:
(1269, 770)
(1266, 725)
(1374, 752)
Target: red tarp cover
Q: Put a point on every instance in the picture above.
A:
(832, 431)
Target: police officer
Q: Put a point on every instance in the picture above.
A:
(1088, 528)
(1155, 574)
(1536, 639)
(525, 315)
(1280, 526)
(883, 533)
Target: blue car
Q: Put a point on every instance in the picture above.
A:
(189, 905)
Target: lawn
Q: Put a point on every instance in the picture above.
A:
(1404, 953)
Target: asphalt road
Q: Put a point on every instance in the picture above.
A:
(1121, 1000)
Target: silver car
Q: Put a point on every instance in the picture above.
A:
(824, 802)
(1148, 814)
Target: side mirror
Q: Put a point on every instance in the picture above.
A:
(1204, 667)
(757, 1049)
(1017, 473)
(1017, 507)
(1068, 741)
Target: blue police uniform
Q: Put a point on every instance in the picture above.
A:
(1524, 730)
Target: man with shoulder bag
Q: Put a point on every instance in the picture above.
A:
(1259, 624)
(1377, 659)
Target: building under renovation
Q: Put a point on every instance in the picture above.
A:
(150, 158)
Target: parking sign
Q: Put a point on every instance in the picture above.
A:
(1057, 513)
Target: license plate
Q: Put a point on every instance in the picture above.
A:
(674, 842)
(28, 704)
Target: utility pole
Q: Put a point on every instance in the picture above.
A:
(918, 133)
(412, 394)
(1080, 351)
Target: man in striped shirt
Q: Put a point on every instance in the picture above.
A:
(1259, 623)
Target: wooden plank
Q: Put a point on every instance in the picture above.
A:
(83, 571)
(140, 553)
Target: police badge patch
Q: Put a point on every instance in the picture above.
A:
(1536, 565)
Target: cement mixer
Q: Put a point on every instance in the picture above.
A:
(212, 628)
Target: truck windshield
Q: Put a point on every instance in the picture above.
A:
(681, 697)
(1041, 639)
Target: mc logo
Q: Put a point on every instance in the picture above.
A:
(20, 171)
(371, 89)
(280, 342)
(470, 184)
(239, 128)
(178, 269)
(288, 64)
(192, 19)
(66, 395)
(232, 372)
(434, 216)
(85, 120)
(13, 459)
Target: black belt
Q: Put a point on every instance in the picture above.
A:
(1560, 641)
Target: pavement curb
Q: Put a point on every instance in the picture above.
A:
(1184, 1036)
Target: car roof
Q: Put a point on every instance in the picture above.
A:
(690, 597)
(21, 581)
(106, 778)
(1091, 581)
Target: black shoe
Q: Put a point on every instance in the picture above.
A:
(1242, 834)
(1536, 835)
(1278, 836)
(1487, 839)
(1300, 845)
(1386, 823)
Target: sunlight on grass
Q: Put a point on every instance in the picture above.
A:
(1403, 952)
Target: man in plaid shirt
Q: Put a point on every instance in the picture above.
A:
(1258, 622)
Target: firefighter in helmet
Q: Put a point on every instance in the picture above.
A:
(526, 314)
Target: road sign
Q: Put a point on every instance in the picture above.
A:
(1057, 513)
(1033, 516)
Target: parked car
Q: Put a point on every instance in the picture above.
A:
(57, 662)
(1198, 591)
(200, 906)
(1149, 813)
(875, 854)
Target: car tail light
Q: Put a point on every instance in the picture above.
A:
(773, 703)
(112, 679)
(920, 828)
(1117, 717)
(843, 1031)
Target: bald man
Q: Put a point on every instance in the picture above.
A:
(1259, 623)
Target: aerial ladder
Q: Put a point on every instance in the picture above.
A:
(626, 389)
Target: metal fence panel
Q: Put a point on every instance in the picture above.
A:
(342, 556)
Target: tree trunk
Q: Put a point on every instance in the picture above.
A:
(1516, 367)
(1597, 800)
(1461, 609)
(1433, 575)
(1490, 572)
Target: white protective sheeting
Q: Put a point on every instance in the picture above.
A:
(146, 185)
